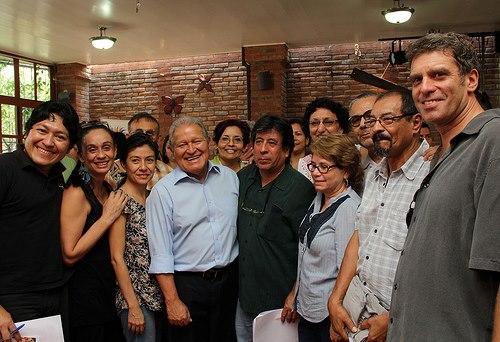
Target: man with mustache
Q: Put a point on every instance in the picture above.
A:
(191, 222)
(361, 297)
(273, 201)
(447, 282)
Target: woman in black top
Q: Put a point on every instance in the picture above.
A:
(88, 210)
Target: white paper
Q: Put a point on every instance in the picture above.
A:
(47, 329)
(267, 327)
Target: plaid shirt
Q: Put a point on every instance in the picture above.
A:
(381, 221)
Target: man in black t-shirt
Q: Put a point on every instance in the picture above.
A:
(31, 186)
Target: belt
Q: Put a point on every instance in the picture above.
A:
(215, 273)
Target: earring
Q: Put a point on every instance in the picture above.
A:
(346, 182)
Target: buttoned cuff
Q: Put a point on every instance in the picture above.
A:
(161, 264)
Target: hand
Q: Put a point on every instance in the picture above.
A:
(288, 312)
(114, 205)
(178, 313)
(7, 325)
(247, 155)
(429, 153)
(340, 321)
(377, 326)
(136, 322)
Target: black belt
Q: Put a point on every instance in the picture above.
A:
(215, 273)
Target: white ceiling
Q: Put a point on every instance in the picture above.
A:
(58, 30)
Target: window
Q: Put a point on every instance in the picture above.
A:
(24, 84)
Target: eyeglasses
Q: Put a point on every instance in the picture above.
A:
(322, 168)
(94, 124)
(355, 120)
(326, 122)
(385, 120)
(236, 140)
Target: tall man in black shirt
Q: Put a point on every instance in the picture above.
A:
(31, 186)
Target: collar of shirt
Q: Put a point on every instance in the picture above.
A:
(178, 174)
(476, 124)
(26, 162)
(319, 199)
(282, 182)
(410, 168)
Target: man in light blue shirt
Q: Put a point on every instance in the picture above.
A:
(191, 221)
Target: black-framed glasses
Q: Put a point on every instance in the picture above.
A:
(326, 122)
(322, 168)
(385, 120)
(355, 120)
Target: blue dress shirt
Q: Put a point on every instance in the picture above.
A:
(192, 225)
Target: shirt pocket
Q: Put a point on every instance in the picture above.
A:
(271, 226)
(396, 231)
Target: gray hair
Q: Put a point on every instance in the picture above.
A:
(459, 45)
(363, 95)
(186, 120)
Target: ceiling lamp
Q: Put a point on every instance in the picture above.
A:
(102, 42)
(398, 14)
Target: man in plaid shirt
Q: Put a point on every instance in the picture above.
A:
(361, 297)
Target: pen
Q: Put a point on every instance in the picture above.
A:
(17, 329)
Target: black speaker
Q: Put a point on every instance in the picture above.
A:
(265, 80)
(64, 96)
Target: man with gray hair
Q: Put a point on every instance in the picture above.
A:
(446, 284)
(191, 222)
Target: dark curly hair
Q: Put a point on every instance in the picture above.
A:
(335, 107)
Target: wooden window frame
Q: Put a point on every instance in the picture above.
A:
(19, 102)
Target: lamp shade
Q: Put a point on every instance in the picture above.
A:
(398, 14)
(102, 42)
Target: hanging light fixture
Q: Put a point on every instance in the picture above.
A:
(102, 41)
(398, 14)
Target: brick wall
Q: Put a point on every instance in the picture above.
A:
(75, 78)
(491, 74)
(324, 71)
(120, 90)
(317, 71)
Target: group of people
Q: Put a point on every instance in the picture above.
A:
(341, 219)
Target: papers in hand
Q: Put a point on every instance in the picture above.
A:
(47, 329)
(267, 327)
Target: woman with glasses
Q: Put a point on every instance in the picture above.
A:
(322, 116)
(88, 210)
(324, 233)
(300, 141)
(231, 137)
(138, 298)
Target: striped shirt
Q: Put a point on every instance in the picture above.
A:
(381, 221)
(319, 264)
